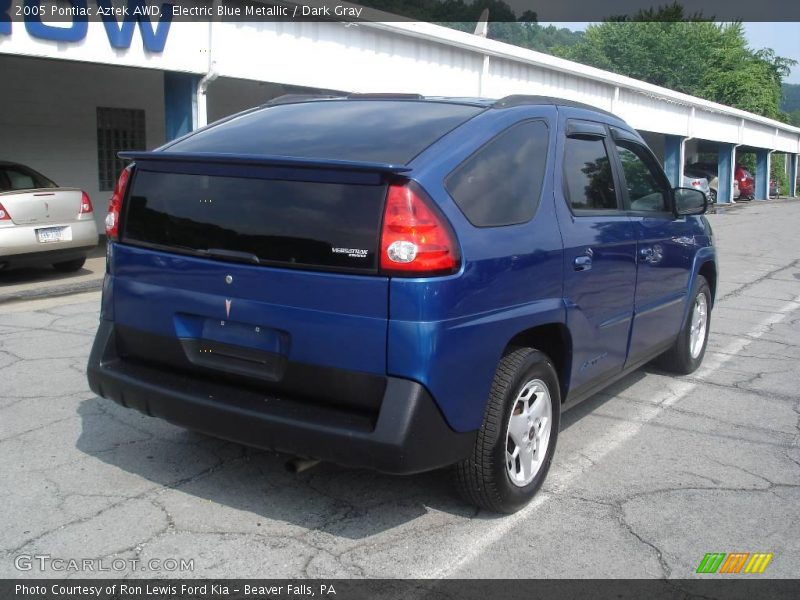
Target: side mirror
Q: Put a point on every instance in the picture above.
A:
(688, 201)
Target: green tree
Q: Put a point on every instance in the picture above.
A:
(687, 53)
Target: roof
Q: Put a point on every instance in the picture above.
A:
(506, 102)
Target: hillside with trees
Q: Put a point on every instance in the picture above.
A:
(504, 24)
(791, 102)
(689, 54)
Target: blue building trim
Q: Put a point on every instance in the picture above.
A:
(673, 159)
(762, 174)
(180, 110)
(725, 160)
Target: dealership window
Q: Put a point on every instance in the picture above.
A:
(118, 129)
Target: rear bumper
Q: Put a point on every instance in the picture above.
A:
(408, 434)
(19, 246)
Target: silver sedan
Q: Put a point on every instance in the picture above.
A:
(41, 223)
(701, 184)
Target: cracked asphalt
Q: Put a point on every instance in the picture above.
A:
(648, 476)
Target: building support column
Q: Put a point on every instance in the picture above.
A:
(792, 175)
(673, 159)
(762, 174)
(180, 104)
(725, 160)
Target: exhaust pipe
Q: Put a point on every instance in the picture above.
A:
(298, 464)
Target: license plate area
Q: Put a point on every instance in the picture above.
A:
(48, 235)
(234, 347)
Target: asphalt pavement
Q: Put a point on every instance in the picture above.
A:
(648, 476)
(17, 285)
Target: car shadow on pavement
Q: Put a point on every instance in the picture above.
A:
(35, 274)
(574, 415)
(205, 482)
(47, 275)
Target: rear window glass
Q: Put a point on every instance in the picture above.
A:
(358, 130)
(501, 183)
(17, 177)
(283, 223)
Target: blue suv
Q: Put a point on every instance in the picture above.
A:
(399, 283)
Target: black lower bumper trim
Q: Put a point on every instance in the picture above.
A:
(409, 434)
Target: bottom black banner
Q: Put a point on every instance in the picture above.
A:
(400, 589)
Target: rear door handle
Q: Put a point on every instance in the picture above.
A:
(583, 263)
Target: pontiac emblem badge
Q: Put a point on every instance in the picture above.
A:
(227, 308)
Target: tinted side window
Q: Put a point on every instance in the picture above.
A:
(646, 190)
(501, 183)
(587, 174)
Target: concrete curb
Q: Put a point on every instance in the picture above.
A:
(52, 291)
(721, 208)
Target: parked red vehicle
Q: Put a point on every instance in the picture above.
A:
(747, 186)
(741, 176)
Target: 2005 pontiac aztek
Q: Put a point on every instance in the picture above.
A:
(399, 283)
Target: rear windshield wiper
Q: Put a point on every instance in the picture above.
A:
(234, 255)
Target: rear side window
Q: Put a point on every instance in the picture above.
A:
(282, 223)
(587, 175)
(501, 183)
(387, 131)
(17, 177)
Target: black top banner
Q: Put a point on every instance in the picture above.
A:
(438, 11)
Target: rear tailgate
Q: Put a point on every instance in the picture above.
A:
(42, 206)
(264, 270)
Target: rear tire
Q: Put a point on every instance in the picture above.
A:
(687, 353)
(517, 439)
(70, 265)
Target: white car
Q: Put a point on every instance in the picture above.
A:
(699, 183)
(41, 223)
(709, 171)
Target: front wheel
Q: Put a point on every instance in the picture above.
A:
(689, 349)
(517, 439)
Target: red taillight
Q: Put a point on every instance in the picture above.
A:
(415, 240)
(4, 216)
(86, 204)
(115, 204)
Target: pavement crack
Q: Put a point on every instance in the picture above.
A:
(747, 286)
(619, 516)
(34, 429)
(146, 494)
